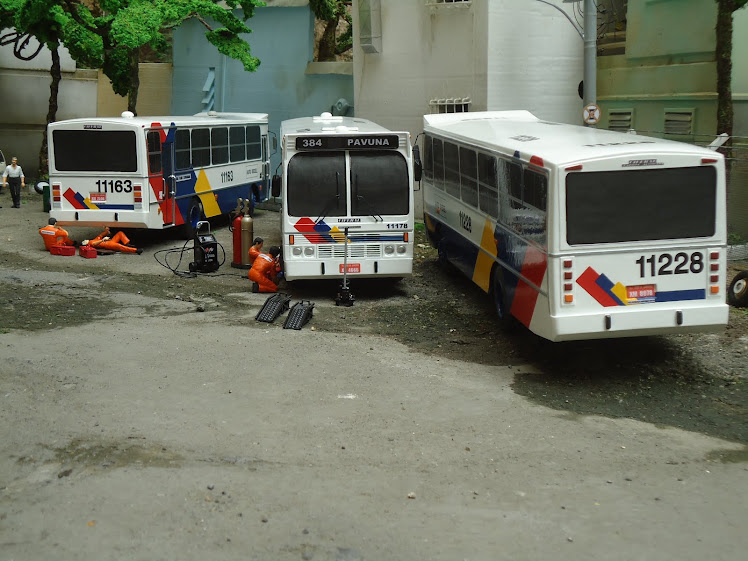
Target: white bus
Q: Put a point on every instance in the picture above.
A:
(345, 174)
(156, 172)
(578, 233)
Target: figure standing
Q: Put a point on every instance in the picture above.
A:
(13, 176)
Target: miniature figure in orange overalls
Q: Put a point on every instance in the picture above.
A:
(54, 235)
(265, 271)
(255, 250)
(117, 243)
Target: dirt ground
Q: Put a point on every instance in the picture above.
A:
(693, 381)
(147, 415)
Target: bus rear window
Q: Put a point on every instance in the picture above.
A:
(94, 150)
(638, 205)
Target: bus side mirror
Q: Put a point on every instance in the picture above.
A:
(276, 186)
(417, 165)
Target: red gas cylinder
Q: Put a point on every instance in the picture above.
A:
(236, 227)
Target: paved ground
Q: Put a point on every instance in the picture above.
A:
(147, 416)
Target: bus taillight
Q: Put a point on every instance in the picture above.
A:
(568, 286)
(714, 272)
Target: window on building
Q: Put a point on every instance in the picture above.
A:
(450, 105)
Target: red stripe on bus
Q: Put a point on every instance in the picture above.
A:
(534, 266)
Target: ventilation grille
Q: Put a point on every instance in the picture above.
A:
(679, 121)
(450, 105)
(354, 250)
(621, 120)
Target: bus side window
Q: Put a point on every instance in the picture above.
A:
(200, 147)
(438, 164)
(182, 149)
(153, 139)
(515, 185)
(468, 176)
(428, 159)
(237, 144)
(219, 141)
(451, 169)
(536, 190)
(488, 192)
(254, 143)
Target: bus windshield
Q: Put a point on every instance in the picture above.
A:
(317, 184)
(637, 205)
(379, 184)
(95, 150)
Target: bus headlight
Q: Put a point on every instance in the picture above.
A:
(401, 249)
(309, 251)
(296, 250)
(389, 249)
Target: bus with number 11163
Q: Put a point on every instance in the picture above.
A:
(578, 233)
(156, 172)
(346, 189)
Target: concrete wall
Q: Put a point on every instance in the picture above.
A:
(24, 96)
(502, 54)
(287, 84)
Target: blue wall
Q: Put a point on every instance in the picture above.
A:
(282, 38)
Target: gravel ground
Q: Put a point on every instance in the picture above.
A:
(694, 381)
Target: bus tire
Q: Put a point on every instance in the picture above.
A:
(193, 216)
(737, 294)
(498, 297)
(443, 255)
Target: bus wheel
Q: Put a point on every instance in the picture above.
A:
(442, 257)
(194, 215)
(737, 294)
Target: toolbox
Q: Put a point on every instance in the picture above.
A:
(62, 250)
(87, 251)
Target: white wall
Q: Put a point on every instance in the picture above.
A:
(503, 54)
(535, 60)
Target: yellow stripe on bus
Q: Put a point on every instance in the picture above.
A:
(485, 260)
(620, 291)
(202, 188)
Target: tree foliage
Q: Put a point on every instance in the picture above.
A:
(723, 55)
(331, 12)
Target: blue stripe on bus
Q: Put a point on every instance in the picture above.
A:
(375, 238)
(676, 295)
(114, 207)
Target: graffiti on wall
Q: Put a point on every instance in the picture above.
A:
(25, 47)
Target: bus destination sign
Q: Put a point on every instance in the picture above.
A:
(357, 142)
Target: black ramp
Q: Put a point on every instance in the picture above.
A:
(300, 313)
(274, 306)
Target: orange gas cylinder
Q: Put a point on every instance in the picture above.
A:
(236, 227)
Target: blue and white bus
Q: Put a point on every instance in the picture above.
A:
(345, 174)
(156, 172)
(579, 233)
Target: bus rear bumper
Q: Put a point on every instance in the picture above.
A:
(628, 323)
(333, 268)
(100, 218)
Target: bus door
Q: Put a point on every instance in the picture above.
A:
(265, 176)
(169, 194)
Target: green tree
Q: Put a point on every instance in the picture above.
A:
(110, 34)
(331, 12)
(723, 53)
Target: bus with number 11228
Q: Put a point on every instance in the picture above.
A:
(575, 232)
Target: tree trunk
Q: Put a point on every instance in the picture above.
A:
(132, 94)
(723, 52)
(54, 88)
(327, 41)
